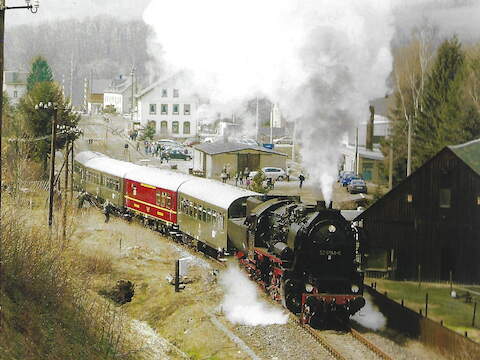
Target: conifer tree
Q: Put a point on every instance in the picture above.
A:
(443, 113)
(40, 72)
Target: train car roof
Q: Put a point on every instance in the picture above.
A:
(214, 192)
(160, 178)
(111, 166)
(85, 156)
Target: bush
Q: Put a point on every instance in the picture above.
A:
(46, 310)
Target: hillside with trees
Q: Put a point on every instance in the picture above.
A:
(100, 47)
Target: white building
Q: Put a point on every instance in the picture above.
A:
(119, 95)
(15, 85)
(172, 112)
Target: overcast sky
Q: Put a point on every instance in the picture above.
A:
(78, 9)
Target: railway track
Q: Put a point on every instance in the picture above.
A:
(325, 340)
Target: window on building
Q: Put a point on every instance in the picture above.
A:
(186, 109)
(478, 200)
(164, 127)
(445, 198)
(186, 127)
(164, 109)
(175, 109)
(175, 92)
(15, 94)
(409, 198)
(164, 93)
(153, 125)
(175, 127)
(153, 109)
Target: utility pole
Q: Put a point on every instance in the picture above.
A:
(390, 166)
(271, 124)
(356, 151)
(132, 74)
(294, 157)
(65, 197)
(256, 122)
(33, 9)
(71, 79)
(71, 172)
(52, 166)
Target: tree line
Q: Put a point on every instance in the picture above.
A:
(436, 99)
(100, 47)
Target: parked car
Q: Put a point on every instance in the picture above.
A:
(357, 186)
(347, 178)
(285, 140)
(343, 174)
(274, 173)
(177, 154)
(252, 174)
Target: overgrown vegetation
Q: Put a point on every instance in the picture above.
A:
(258, 183)
(47, 311)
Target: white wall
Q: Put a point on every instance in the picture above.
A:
(15, 89)
(116, 100)
(155, 97)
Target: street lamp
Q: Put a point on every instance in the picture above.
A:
(51, 107)
(33, 7)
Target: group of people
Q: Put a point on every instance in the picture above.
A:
(133, 134)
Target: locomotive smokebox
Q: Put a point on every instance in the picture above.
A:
(283, 251)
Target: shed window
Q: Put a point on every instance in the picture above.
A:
(478, 200)
(445, 198)
(409, 198)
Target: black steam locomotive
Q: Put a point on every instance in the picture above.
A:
(305, 256)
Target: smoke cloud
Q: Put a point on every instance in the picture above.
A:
(242, 305)
(321, 61)
(369, 316)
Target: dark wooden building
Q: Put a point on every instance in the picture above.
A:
(431, 220)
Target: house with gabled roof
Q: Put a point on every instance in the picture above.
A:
(15, 85)
(169, 107)
(429, 224)
(119, 95)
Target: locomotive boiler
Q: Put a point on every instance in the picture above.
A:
(306, 256)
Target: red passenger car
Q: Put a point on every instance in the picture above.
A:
(153, 193)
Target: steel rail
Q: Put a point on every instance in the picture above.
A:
(374, 348)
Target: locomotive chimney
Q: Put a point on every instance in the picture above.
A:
(321, 205)
(369, 140)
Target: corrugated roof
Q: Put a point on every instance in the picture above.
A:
(469, 153)
(225, 147)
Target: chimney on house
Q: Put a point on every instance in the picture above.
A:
(369, 140)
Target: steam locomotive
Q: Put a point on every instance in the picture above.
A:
(305, 256)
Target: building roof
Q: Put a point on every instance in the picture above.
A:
(99, 86)
(469, 153)
(119, 85)
(15, 77)
(225, 194)
(226, 147)
(380, 105)
(178, 80)
(375, 154)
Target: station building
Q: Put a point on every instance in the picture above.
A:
(210, 159)
(428, 225)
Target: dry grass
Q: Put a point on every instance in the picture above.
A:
(47, 311)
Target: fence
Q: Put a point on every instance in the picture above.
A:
(432, 334)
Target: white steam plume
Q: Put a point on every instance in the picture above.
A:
(242, 305)
(370, 316)
(320, 60)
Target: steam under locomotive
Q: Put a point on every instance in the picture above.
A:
(305, 256)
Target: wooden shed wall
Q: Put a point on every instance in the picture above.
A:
(421, 232)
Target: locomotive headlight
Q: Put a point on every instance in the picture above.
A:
(332, 228)
(308, 287)
(355, 289)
